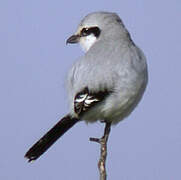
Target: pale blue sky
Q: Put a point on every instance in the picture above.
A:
(34, 60)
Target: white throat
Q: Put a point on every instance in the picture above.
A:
(87, 41)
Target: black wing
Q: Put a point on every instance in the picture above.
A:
(85, 100)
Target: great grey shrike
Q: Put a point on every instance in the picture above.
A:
(106, 83)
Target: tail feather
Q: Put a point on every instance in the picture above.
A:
(50, 137)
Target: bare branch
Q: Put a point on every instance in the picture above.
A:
(103, 155)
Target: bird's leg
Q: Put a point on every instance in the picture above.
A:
(103, 142)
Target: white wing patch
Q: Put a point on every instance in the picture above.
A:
(90, 99)
(85, 100)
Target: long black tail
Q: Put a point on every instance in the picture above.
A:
(50, 137)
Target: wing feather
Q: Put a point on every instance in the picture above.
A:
(85, 100)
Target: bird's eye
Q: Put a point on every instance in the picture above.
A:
(92, 30)
(85, 32)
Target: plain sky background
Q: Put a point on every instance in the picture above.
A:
(34, 61)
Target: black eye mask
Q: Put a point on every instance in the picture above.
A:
(92, 30)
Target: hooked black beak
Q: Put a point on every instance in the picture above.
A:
(73, 39)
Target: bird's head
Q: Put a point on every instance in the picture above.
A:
(95, 26)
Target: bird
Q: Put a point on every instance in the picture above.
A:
(106, 83)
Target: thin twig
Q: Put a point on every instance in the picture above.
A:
(103, 142)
